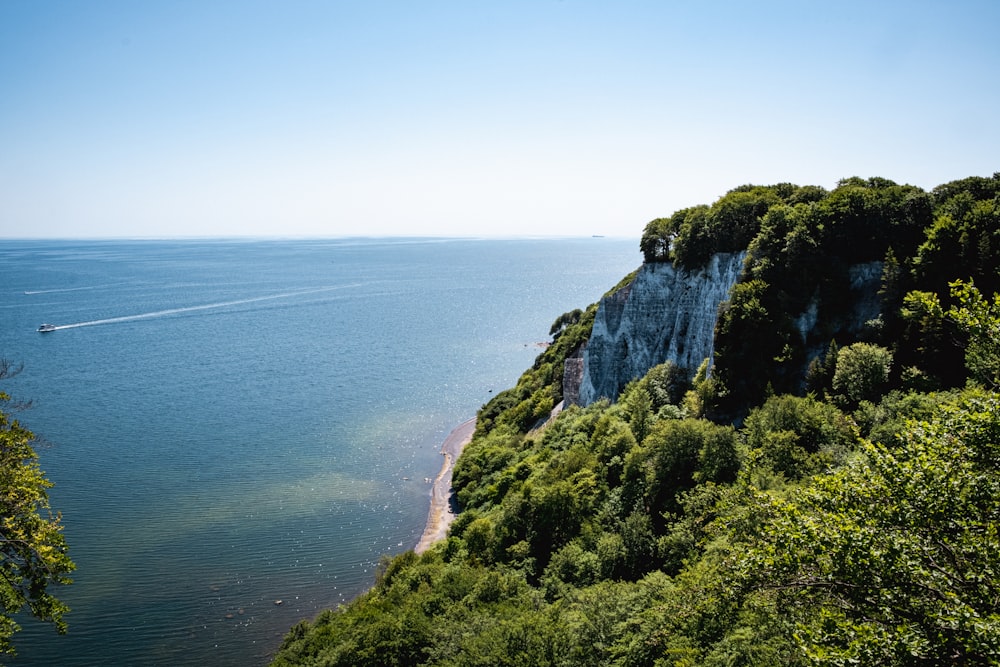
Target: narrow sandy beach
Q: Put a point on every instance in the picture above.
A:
(442, 512)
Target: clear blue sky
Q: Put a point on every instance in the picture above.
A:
(472, 118)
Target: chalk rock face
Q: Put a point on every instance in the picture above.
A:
(817, 326)
(666, 313)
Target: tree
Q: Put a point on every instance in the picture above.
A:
(33, 554)
(675, 456)
(892, 560)
(965, 233)
(565, 320)
(928, 344)
(797, 436)
(974, 314)
(819, 375)
(751, 335)
(980, 318)
(862, 372)
(735, 218)
(666, 384)
(656, 240)
(693, 244)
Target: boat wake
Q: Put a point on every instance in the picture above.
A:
(190, 309)
(69, 289)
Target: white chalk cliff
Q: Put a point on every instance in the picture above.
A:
(665, 313)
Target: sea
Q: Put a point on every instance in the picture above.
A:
(239, 429)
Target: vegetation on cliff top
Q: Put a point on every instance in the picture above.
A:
(810, 501)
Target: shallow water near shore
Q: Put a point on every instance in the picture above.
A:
(230, 424)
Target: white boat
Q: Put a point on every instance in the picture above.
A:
(45, 328)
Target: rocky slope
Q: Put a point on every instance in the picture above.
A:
(666, 313)
(670, 314)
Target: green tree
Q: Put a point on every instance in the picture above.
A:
(612, 440)
(819, 375)
(965, 233)
(565, 320)
(656, 240)
(735, 217)
(751, 337)
(693, 243)
(666, 384)
(862, 372)
(638, 407)
(926, 343)
(893, 559)
(980, 319)
(974, 314)
(33, 554)
(676, 455)
(797, 436)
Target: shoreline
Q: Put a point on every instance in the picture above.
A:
(442, 510)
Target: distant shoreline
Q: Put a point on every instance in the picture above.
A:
(442, 511)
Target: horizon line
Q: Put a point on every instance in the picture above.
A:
(308, 237)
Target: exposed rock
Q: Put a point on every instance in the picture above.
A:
(817, 325)
(866, 279)
(572, 376)
(665, 313)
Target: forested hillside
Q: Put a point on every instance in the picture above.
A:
(826, 494)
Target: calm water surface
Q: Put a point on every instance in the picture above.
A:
(229, 424)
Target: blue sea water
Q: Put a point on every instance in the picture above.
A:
(233, 423)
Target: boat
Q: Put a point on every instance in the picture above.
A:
(45, 328)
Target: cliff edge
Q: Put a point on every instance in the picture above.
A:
(665, 313)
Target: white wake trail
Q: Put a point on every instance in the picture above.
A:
(207, 306)
(69, 289)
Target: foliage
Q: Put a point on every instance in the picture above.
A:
(797, 437)
(881, 422)
(965, 233)
(925, 338)
(565, 320)
(692, 235)
(656, 240)
(749, 322)
(666, 385)
(677, 454)
(980, 319)
(893, 559)
(33, 554)
(862, 372)
(798, 292)
(737, 519)
(975, 316)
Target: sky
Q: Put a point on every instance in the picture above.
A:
(303, 118)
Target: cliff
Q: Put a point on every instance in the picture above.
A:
(666, 313)
(648, 506)
(670, 314)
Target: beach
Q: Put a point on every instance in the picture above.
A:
(442, 511)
